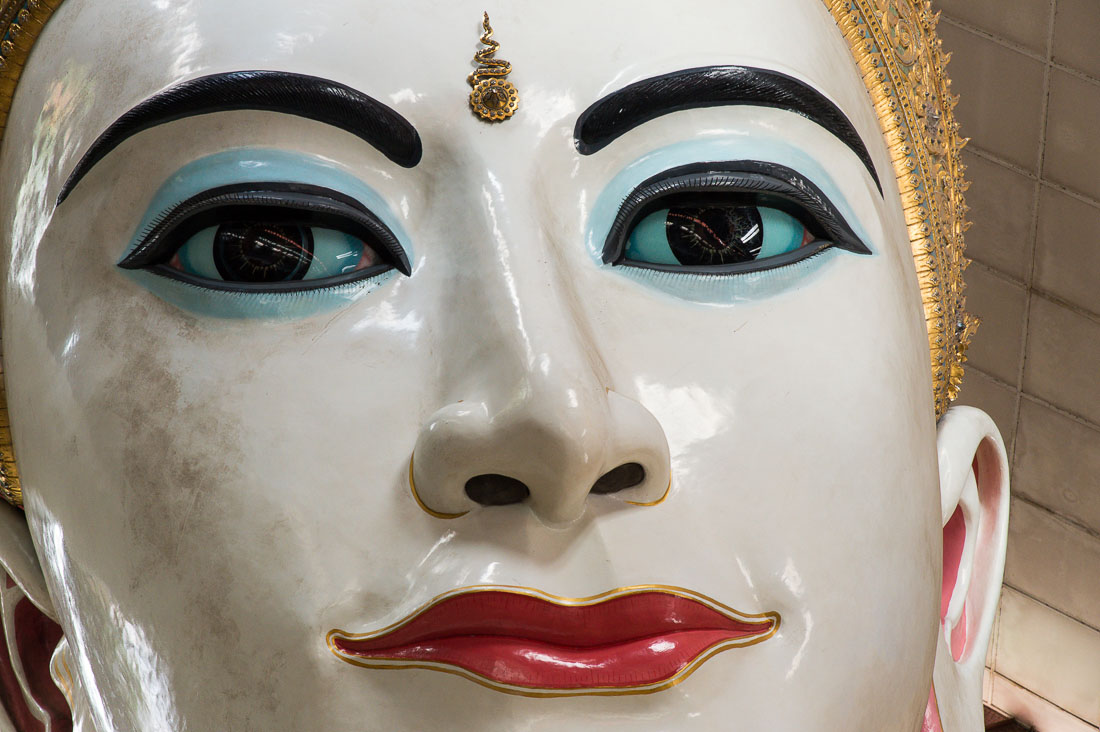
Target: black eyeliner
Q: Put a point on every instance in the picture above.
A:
(755, 183)
(276, 202)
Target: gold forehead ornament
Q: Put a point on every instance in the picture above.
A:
(493, 98)
(902, 63)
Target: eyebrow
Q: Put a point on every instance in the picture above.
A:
(311, 97)
(712, 86)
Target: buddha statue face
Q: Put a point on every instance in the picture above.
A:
(338, 406)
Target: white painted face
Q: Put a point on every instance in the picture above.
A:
(217, 480)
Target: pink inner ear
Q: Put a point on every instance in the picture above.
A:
(932, 721)
(959, 636)
(954, 539)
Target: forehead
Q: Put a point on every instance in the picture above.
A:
(415, 54)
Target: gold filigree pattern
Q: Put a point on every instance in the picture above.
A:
(903, 65)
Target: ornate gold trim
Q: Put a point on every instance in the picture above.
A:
(395, 664)
(20, 23)
(10, 488)
(903, 66)
(493, 98)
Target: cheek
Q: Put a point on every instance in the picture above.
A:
(803, 445)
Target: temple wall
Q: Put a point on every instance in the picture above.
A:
(1028, 72)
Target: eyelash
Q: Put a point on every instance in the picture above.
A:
(275, 202)
(745, 183)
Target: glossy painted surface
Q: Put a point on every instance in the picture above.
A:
(640, 640)
(210, 495)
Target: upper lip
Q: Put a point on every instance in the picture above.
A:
(521, 640)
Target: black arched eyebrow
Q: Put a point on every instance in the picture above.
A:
(274, 91)
(712, 86)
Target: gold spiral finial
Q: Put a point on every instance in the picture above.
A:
(493, 98)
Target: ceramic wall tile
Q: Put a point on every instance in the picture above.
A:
(1072, 153)
(999, 302)
(1002, 204)
(1067, 254)
(1057, 463)
(1055, 562)
(1075, 32)
(1063, 358)
(1032, 710)
(1019, 21)
(1050, 654)
(1002, 93)
(994, 398)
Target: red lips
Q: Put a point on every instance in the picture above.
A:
(642, 639)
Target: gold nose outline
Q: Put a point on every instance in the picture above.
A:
(423, 506)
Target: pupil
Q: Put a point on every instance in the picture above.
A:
(720, 235)
(259, 252)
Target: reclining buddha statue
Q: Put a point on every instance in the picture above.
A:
(575, 366)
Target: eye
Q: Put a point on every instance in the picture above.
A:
(725, 218)
(268, 237)
(260, 251)
(715, 234)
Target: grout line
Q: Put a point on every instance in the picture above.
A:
(991, 377)
(1075, 524)
(1033, 236)
(1050, 607)
(999, 40)
(994, 640)
(1021, 49)
(991, 157)
(1063, 303)
(992, 270)
(1083, 198)
(1060, 708)
(1082, 75)
(1039, 401)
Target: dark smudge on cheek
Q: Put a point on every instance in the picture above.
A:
(182, 491)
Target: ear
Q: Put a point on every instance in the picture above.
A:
(19, 559)
(974, 502)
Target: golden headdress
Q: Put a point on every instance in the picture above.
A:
(20, 23)
(902, 63)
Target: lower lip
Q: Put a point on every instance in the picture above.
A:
(641, 640)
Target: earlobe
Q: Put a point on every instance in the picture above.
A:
(19, 560)
(974, 501)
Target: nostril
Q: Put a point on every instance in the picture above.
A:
(496, 490)
(625, 476)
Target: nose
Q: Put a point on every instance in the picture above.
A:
(552, 448)
(528, 414)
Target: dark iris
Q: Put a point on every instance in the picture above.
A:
(262, 252)
(718, 235)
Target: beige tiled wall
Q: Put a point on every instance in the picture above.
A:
(1028, 72)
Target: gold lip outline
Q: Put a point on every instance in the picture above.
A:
(677, 678)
